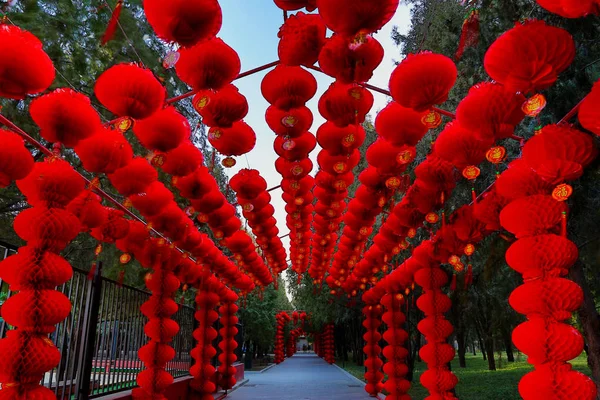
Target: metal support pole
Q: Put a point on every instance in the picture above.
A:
(90, 325)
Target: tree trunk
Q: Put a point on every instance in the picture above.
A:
(590, 321)
(508, 344)
(473, 344)
(489, 349)
(481, 344)
(462, 350)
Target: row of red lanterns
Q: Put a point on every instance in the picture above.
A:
(281, 319)
(372, 350)
(252, 195)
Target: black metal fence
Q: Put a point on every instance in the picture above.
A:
(100, 338)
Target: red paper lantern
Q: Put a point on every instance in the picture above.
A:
(423, 80)
(32, 269)
(345, 104)
(351, 60)
(49, 228)
(15, 160)
(399, 125)
(570, 8)
(540, 255)
(234, 141)
(134, 177)
(163, 131)
(221, 108)
(559, 153)
(460, 146)
(491, 110)
(25, 68)
(292, 5)
(113, 228)
(350, 18)
(152, 200)
(105, 151)
(184, 22)
(589, 114)
(51, 183)
(530, 56)
(288, 87)
(292, 122)
(302, 37)
(128, 90)
(88, 208)
(210, 64)
(183, 160)
(532, 215)
(338, 140)
(65, 116)
(295, 148)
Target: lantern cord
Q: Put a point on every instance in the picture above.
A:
(387, 93)
(571, 113)
(129, 42)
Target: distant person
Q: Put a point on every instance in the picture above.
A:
(304, 348)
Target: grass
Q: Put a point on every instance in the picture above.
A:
(476, 382)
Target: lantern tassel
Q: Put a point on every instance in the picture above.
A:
(121, 278)
(469, 36)
(563, 223)
(469, 275)
(112, 23)
(453, 284)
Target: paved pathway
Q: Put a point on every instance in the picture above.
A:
(301, 377)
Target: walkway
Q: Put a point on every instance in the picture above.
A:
(301, 377)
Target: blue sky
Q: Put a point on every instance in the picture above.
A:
(251, 29)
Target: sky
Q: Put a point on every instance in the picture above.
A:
(251, 29)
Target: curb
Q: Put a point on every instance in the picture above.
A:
(268, 367)
(223, 395)
(362, 383)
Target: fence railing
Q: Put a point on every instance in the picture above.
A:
(100, 338)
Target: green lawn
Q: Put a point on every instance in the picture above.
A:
(475, 381)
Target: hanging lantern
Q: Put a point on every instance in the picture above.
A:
(235, 141)
(351, 60)
(589, 110)
(15, 160)
(570, 8)
(432, 218)
(210, 64)
(129, 90)
(469, 249)
(25, 68)
(302, 37)
(469, 35)
(184, 22)
(351, 18)
(162, 131)
(170, 59)
(221, 108)
(431, 119)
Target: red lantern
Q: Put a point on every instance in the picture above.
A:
(589, 115)
(183, 160)
(104, 152)
(423, 80)
(15, 160)
(128, 90)
(163, 131)
(491, 110)
(221, 108)
(348, 19)
(570, 8)
(88, 208)
(460, 146)
(399, 125)
(302, 37)
(288, 87)
(25, 68)
(297, 148)
(532, 215)
(210, 64)
(234, 141)
(184, 22)
(345, 104)
(351, 60)
(292, 5)
(134, 177)
(338, 140)
(559, 153)
(530, 56)
(65, 116)
(292, 122)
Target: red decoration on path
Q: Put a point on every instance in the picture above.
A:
(351, 18)
(423, 80)
(15, 160)
(210, 64)
(530, 56)
(25, 68)
(128, 90)
(395, 352)
(185, 22)
(111, 28)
